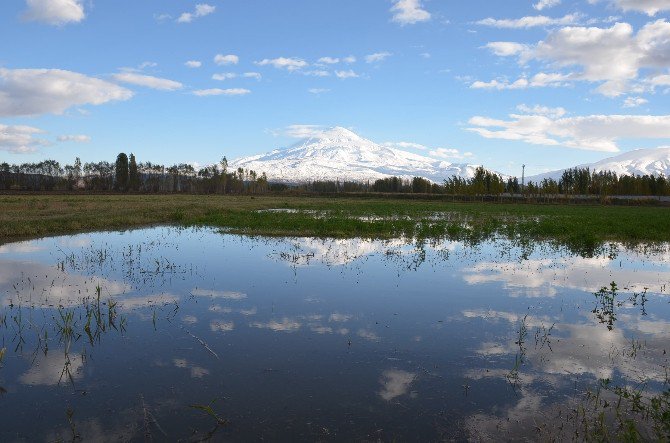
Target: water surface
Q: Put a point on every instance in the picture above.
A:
(189, 334)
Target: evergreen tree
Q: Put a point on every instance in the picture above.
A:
(133, 175)
(121, 170)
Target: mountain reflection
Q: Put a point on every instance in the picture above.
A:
(301, 335)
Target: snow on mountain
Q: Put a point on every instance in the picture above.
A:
(655, 161)
(340, 154)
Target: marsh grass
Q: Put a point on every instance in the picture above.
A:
(581, 228)
(622, 413)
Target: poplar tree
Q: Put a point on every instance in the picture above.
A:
(121, 173)
(133, 176)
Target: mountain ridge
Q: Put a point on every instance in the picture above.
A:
(644, 161)
(340, 154)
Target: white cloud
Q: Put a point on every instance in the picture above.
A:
(449, 154)
(162, 17)
(148, 81)
(634, 102)
(224, 76)
(349, 59)
(443, 153)
(231, 75)
(55, 12)
(193, 64)
(328, 60)
(346, 74)
(540, 80)
(201, 10)
(506, 49)
(409, 12)
(145, 65)
(377, 57)
(612, 55)
(42, 91)
(593, 132)
(318, 73)
(530, 21)
(546, 4)
(542, 110)
(406, 145)
(229, 59)
(649, 7)
(20, 139)
(318, 90)
(255, 75)
(290, 64)
(74, 138)
(662, 80)
(217, 91)
(303, 131)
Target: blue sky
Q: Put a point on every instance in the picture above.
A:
(548, 83)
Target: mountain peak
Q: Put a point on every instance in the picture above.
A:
(337, 133)
(338, 153)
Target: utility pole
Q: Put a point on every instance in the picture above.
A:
(523, 178)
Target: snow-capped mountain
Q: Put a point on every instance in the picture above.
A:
(655, 161)
(339, 154)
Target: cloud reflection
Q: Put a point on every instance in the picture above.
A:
(285, 325)
(544, 277)
(395, 383)
(52, 369)
(196, 371)
(221, 326)
(227, 295)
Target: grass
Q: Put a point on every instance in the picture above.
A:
(582, 226)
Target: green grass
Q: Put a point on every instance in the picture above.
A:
(580, 227)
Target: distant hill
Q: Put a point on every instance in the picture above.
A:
(340, 154)
(654, 161)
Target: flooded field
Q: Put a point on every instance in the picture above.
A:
(191, 334)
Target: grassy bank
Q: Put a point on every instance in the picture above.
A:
(31, 216)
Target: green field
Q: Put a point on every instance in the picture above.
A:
(580, 226)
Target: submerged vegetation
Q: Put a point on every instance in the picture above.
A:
(166, 329)
(580, 227)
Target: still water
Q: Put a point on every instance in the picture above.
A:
(193, 334)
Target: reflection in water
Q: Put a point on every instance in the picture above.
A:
(20, 248)
(368, 335)
(221, 326)
(545, 277)
(395, 383)
(35, 284)
(53, 369)
(283, 325)
(228, 295)
(189, 319)
(485, 341)
(196, 371)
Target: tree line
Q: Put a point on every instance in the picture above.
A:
(126, 175)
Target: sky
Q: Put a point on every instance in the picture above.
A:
(545, 83)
